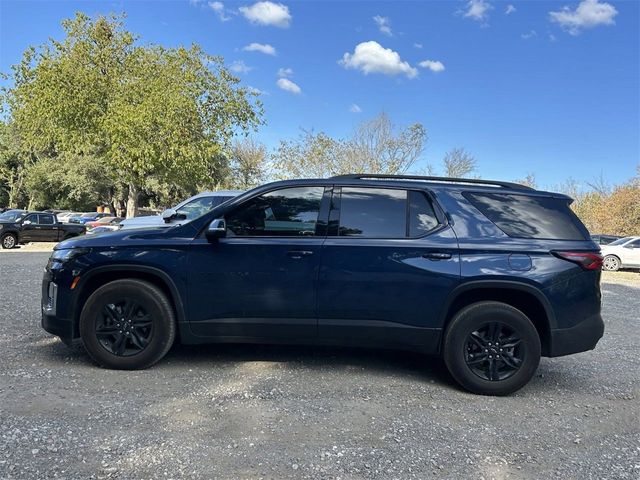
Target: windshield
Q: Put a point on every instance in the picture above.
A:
(11, 216)
(200, 206)
(621, 241)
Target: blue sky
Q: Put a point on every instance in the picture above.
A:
(546, 87)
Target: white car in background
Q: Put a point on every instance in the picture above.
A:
(623, 253)
(64, 217)
(183, 212)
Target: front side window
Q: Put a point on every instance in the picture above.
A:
(285, 212)
(33, 218)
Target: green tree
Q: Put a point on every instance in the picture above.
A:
(139, 111)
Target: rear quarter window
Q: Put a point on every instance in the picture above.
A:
(525, 216)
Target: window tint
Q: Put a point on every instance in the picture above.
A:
(635, 244)
(33, 218)
(422, 217)
(45, 219)
(373, 212)
(286, 212)
(526, 216)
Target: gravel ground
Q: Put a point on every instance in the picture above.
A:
(285, 412)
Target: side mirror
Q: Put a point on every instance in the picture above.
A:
(216, 229)
(168, 215)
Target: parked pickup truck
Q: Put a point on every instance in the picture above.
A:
(36, 227)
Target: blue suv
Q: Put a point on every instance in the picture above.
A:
(491, 275)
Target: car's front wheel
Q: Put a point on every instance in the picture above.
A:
(127, 324)
(611, 263)
(9, 240)
(491, 348)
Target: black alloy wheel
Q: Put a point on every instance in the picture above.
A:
(493, 352)
(127, 324)
(124, 328)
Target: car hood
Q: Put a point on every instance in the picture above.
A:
(134, 237)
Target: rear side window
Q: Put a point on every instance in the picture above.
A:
(45, 219)
(385, 213)
(524, 216)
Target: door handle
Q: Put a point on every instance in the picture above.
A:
(298, 254)
(437, 256)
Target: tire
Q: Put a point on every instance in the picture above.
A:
(9, 241)
(611, 263)
(121, 317)
(515, 356)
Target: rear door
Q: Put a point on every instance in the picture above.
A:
(48, 230)
(387, 265)
(632, 257)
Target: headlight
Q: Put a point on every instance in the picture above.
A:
(67, 254)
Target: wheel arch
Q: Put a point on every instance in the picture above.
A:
(526, 298)
(96, 277)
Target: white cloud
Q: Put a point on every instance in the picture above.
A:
(477, 10)
(509, 10)
(285, 72)
(267, 13)
(218, 7)
(371, 57)
(240, 67)
(417, 45)
(355, 108)
(588, 14)
(527, 36)
(552, 37)
(288, 86)
(433, 65)
(260, 47)
(383, 25)
(256, 91)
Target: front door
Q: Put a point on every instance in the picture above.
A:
(260, 281)
(30, 231)
(386, 269)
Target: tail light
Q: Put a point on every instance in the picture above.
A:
(587, 260)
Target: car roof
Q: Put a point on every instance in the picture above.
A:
(419, 182)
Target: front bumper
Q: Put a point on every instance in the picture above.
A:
(581, 337)
(53, 319)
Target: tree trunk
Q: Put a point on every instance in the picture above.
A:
(132, 201)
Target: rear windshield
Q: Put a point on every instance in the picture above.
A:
(525, 216)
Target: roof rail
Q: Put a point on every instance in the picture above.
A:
(474, 181)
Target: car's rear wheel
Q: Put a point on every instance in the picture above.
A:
(491, 348)
(9, 240)
(611, 263)
(127, 324)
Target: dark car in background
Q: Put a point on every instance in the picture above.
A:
(88, 217)
(490, 275)
(12, 215)
(35, 227)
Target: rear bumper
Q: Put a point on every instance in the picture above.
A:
(581, 337)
